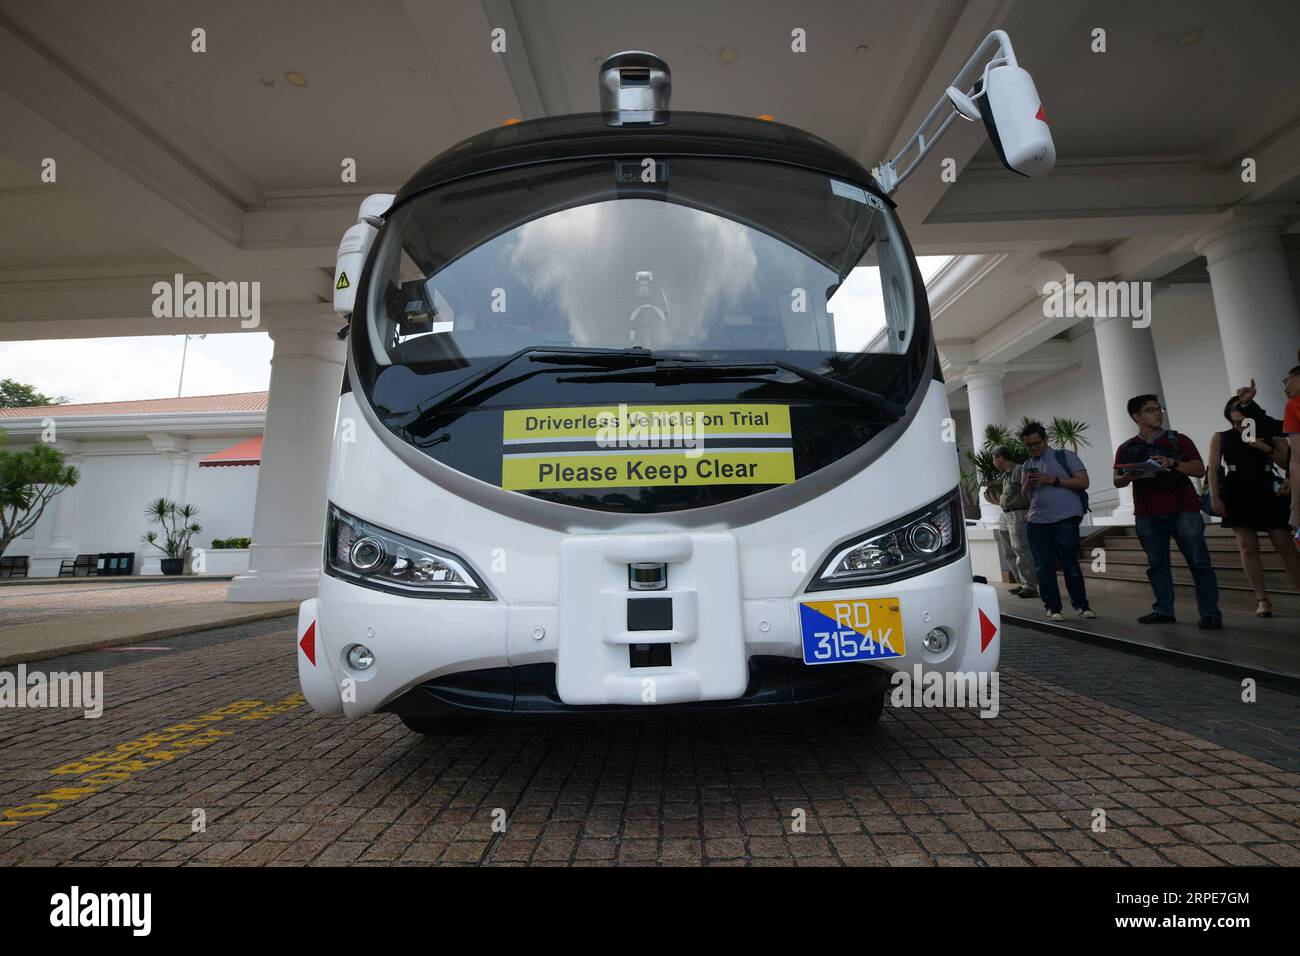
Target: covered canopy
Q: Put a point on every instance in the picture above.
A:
(247, 452)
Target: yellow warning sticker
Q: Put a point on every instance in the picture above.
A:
(519, 473)
(650, 424)
(343, 282)
(622, 446)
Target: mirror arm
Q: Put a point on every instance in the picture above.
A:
(889, 174)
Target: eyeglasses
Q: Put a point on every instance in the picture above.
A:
(1152, 408)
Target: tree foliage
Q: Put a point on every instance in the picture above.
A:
(17, 395)
(981, 472)
(29, 481)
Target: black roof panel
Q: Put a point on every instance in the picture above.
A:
(586, 135)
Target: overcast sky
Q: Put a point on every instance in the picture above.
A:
(148, 366)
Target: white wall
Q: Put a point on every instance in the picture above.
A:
(118, 480)
(225, 498)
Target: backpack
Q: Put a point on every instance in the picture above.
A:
(1083, 495)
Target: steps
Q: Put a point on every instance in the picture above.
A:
(1126, 562)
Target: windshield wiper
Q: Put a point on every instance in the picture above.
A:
(596, 360)
(720, 372)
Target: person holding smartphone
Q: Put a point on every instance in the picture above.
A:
(1056, 483)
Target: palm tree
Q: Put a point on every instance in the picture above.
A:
(998, 435)
(178, 526)
(1068, 431)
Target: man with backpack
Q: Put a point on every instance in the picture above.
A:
(1056, 483)
(1159, 463)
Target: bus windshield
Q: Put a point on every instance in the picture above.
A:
(669, 255)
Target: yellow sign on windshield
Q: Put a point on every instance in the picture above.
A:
(636, 446)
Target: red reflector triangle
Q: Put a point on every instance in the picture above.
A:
(1040, 115)
(308, 643)
(987, 630)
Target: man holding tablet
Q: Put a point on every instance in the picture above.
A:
(1159, 463)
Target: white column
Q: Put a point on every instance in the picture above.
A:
(987, 407)
(176, 450)
(63, 536)
(289, 517)
(1127, 358)
(1259, 322)
(179, 479)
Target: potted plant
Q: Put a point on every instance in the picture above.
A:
(982, 474)
(178, 527)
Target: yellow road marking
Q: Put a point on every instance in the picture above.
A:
(108, 767)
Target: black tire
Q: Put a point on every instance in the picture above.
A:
(439, 726)
(864, 712)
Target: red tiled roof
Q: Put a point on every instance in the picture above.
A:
(247, 452)
(234, 402)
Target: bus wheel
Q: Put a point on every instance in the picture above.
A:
(864, 712)
(439, 726)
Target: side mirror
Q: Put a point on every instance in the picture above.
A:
(1017, 126)
(353, 249)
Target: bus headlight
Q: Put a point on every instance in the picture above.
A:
(377, 558)
(925, 539)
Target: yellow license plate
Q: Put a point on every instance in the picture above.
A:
(851, 629)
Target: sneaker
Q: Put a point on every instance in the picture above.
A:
(1016, 590)
(1210, 623)
(1085, 613)
(1155, 617)
(1027, 593)
(1056, 616)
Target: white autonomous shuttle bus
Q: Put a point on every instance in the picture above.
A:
(643, 411)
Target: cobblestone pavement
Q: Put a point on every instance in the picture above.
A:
(21, 604)
(1206, 701)
(215, 725)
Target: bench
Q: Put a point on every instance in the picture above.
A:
(14, 566)
(83, 566)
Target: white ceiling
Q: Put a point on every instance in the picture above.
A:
(215, 161)
(1199, 78)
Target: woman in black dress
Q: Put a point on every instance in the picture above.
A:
(1243, 492)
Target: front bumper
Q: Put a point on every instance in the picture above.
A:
(530, 691)
(728, 651)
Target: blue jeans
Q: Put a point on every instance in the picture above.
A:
(1051, 542)
(1187, 528)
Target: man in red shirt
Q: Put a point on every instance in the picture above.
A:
(1159, 464)
(1291, 428)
